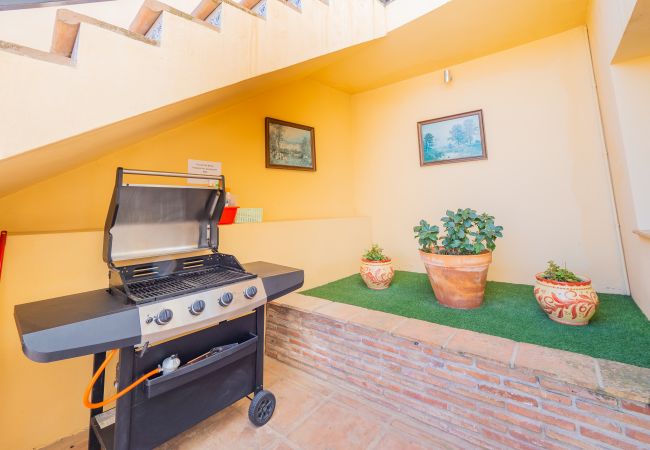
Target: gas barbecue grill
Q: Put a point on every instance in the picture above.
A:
(190, 329)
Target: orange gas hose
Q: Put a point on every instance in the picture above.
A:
(93, 380)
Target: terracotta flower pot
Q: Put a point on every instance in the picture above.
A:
(458, 280)
(377, 274)
(570, 303)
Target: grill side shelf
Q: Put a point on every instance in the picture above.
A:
(76, 325)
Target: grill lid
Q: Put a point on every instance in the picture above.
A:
(147, 220)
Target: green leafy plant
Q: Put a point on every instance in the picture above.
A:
(556, 273)
(375, 253)
(427, 235)
(468, 233)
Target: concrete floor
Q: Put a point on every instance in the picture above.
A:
(311, 414)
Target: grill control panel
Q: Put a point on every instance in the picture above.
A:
(169, 318)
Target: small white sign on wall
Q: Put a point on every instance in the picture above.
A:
(204, 168)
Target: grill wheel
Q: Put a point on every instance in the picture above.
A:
(261, 408)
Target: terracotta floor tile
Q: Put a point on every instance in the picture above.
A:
(273, 365)
(272, 372)
(333, 427)
(426, 436)
(307, 381)
(284, 445)
(294, 404)
(396, 441)
(357, 403)
(270, 378)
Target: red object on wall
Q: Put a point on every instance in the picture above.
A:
(3, 243)
(228, 215)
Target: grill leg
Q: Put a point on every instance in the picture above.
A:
(123, 407)
(259, 362)
(97, 395)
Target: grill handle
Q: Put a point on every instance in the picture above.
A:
(121, 172)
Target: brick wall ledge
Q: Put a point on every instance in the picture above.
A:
(485, 389)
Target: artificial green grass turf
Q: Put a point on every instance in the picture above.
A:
(619, 331)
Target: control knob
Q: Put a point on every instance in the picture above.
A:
(197, 307)
(250, 292)
(164, 316)
(226, 299)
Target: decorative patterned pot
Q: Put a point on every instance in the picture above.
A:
(570, 303)
(458, 280)
(377, 274)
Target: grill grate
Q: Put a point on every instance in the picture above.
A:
(183, 283)
(212, 278)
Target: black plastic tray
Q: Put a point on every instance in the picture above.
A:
(186, 374)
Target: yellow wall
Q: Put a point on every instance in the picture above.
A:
(624, 96)
(78, 199)
(545, 178)
(42, 402)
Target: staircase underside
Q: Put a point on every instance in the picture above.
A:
(27, 168)
(103, 73)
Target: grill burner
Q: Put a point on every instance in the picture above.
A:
(183, 283)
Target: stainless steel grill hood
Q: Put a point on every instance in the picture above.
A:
(148, 220)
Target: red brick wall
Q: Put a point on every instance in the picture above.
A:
(486, 403)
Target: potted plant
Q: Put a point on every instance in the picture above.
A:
(376, 268)
(564, 296)
(457, 263)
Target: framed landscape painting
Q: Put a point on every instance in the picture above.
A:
(289, 145)
(452, 139)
